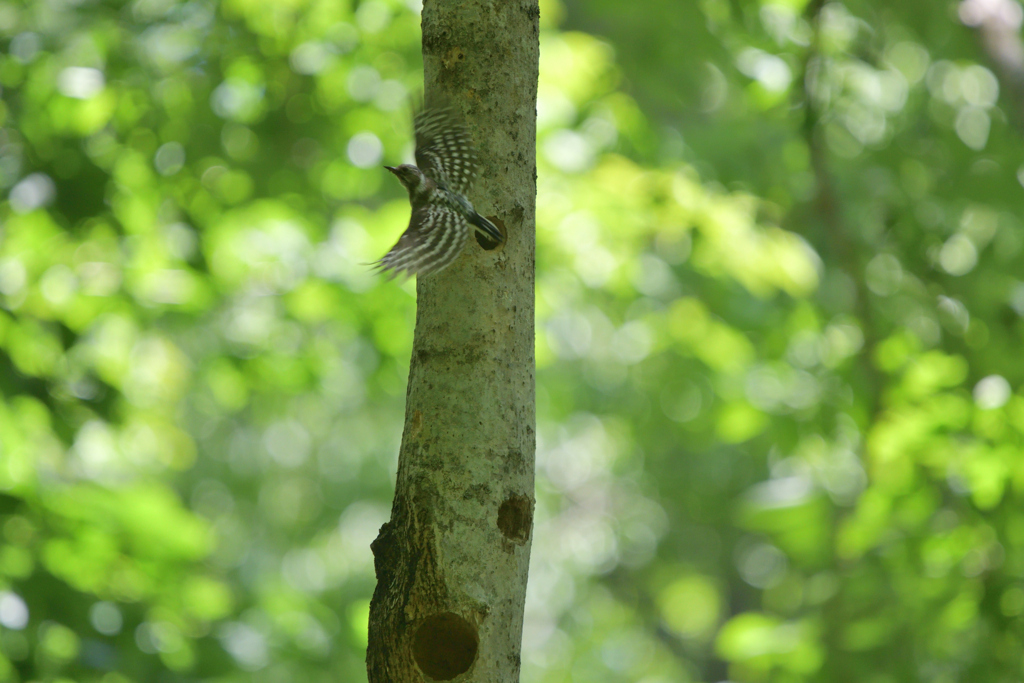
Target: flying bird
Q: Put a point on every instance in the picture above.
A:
(446, 164)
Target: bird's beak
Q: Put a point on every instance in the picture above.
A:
(392, 169)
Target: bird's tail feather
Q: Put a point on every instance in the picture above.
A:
(489, 229)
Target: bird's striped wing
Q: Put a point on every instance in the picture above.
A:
(434, 238)
(444, 149)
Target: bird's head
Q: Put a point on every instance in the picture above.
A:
(410, 176)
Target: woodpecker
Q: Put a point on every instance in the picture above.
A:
(445, 167)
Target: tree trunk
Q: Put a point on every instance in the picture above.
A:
(452, 562)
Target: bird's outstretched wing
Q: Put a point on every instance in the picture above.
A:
(434, 238)
(444, 149)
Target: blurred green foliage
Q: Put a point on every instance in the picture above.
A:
(779, 317)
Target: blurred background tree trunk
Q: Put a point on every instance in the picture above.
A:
(452, 562)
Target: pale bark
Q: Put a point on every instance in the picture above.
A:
(452, 561)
